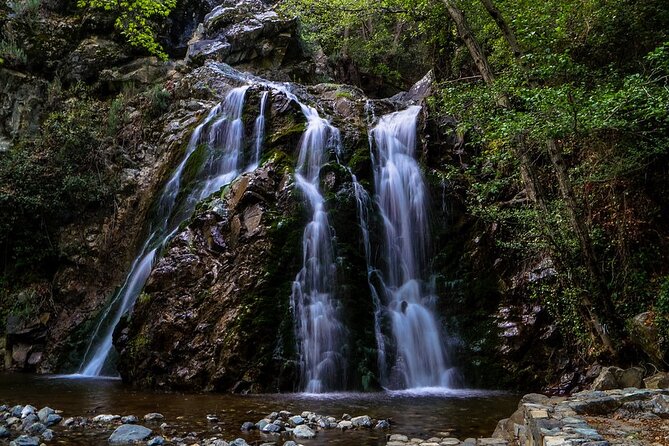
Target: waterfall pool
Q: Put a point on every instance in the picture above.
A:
(463, 413)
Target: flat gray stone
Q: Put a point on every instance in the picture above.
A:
(25, 440)
(129, 433)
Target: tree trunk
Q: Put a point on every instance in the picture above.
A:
(581, 231)
(529, 175)
(467, 36)
(503, 27)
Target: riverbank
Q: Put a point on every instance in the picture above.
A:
(462, 413)
(629, 416)
(591, 418)
(88, 412)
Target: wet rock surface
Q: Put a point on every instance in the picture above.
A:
(249, 35)
(118, 432)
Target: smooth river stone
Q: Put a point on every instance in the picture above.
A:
(128, 433)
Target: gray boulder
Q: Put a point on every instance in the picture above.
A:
(129, 433)
(303, 431)
(44, 413)
(607, 379)
(632, 377)
(362, 421)
(25, 440)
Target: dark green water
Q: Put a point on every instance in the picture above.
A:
(465, 413)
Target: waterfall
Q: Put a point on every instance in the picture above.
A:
(319, 331)
(259, 132)
(226, 136)
(223, 132)
(402, 199)
(364, 204)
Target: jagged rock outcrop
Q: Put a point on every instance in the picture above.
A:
(214, 312)
(251, 36)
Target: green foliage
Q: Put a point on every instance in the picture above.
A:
(594, 77)
(159, 101)
(11, 51)
(25, 7)
(662, 313)
(23, 14)
(116, 115)
(48, 181)
(397, 41)
(135, 20)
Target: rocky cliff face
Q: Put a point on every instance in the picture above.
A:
(215, 312)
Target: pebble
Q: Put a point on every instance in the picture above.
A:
(44, 413)
(129, 419)
(154, 416)
(47, 435)
(28, 410)
(53, 419)
(248, 426)
(363, 421)
(106, 418)
(36, 428)
(272, 429)
(156, 441)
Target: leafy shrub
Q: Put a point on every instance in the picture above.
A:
(134, 20)
(159, 101)
(49, 181)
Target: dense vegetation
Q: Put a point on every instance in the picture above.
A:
(561, 107)
(565, 114)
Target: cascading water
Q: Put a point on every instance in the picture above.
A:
(259, 132)
(227, 132)
(402, 199)
(364, 205)
(319, 331)
(223, 131)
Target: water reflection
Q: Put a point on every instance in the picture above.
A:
(416, 412)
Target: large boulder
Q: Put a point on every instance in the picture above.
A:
(645, 334)
(250, 35)
(607, 379)
(657, 381)
(92, 56)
